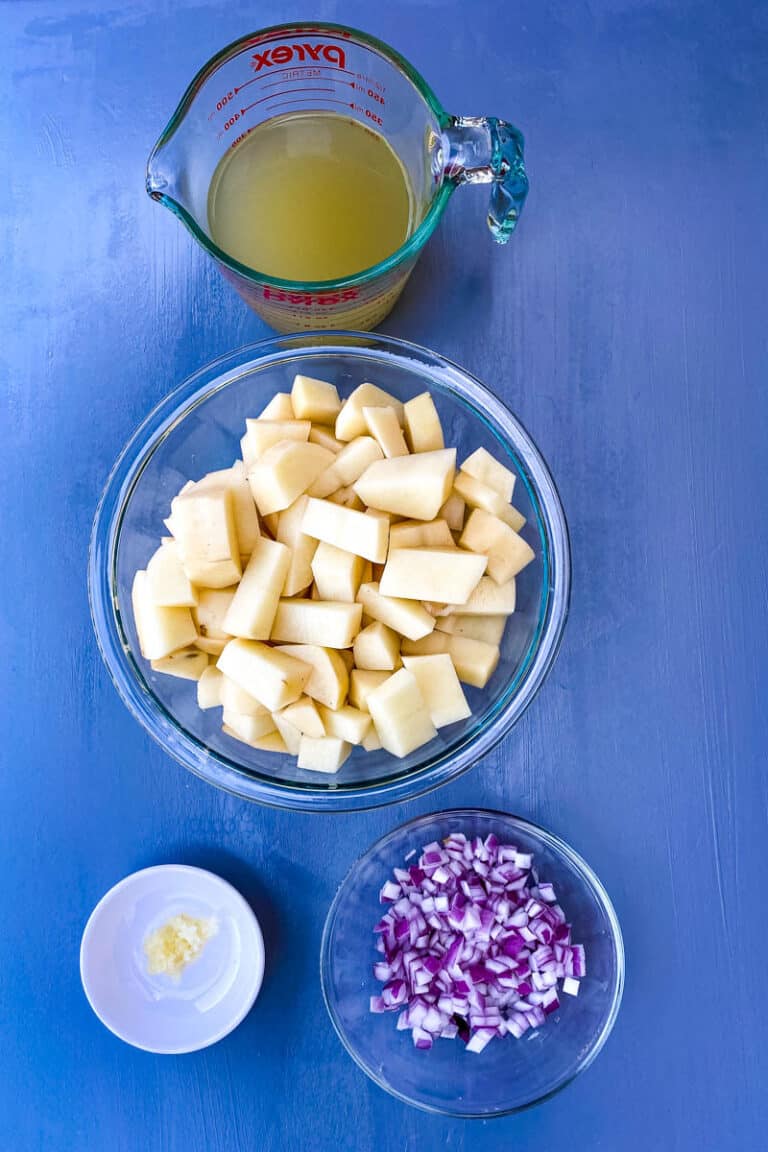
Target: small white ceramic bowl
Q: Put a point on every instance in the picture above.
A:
(214, 992)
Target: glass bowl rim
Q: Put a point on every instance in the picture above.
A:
(144, 705)
(584, 872)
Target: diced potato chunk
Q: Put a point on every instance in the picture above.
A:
(351, 422)
(302, 547)
(329, 679)
(489, 599)
(346, 723)
(383, 425)
(284, 472)
(400, 714)
(289, 732)
(261, 435)
(324, 755)
(243, 507)
(236, 699)
(273, 677)
(366, 536)
(348, 498)
(210, 647)
(189, 664)
(487, 628)
(337, 573)
(279, 408)
(160, 630)
(407, 617)
(271, 742)
(168, 585)
(507, 552)
(511, 516)
(413, 486)
(248, 728)
(377, 647)
(362, 682)
(322, 436)
(204, 525)
(355, 457)
(371, 741)
(439, 685)
(209, 688)
(439, 574)
(475, 661)
(212, 606)
(453, 512)
(479, 495)
(490, 471)
(254, 605)
(315, 400)
(303, 714)
(420, 534)
(423, 430)
(326, 622)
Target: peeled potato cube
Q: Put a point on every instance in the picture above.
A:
(490, 471)
(279, 408)
(302, 547)
(352, 531)
(189, 664)
(210, 647)
(325, 438)
(167, 583)
(453, 512)
(439, 574)
(289, 732)
(377, 647)
(204, 525)
(346, 723)
(354, 458)
(347, 498)
(254, 605)
(423, 430)
(243, 507)
(248, 728)
(303, 714)
(511, 516)
(236, 699)
(326, 484)
(314, 400)
(328, 682)
(337, 574)
(350, 421)
(420, 534)
(270, 522)
(439, 685)
(363, 681)
(325, 622)
(160, 630)
(474, 661)
(212, 606)
(413, 486)
(383, 425)
(261, 435)
(487, 628)
(273, 677)
(271, 742)
(400, 714)
(489, 599)
(209, 688)
(326, 754)
(407, 617)
(371, 741)
(284, 472)
(479, 495)
(507, 552)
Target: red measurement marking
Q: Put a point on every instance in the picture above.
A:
(326, 100)
(288, 91)
(277, 71)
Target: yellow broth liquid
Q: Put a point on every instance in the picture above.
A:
(310, 196)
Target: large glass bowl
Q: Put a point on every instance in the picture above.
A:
(197, 428)
(508, 1075)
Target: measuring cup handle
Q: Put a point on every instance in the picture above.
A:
(484, 150)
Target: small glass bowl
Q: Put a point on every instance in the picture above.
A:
(197, 429)
(508, 1075)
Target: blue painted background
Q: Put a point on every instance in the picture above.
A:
(626, 325)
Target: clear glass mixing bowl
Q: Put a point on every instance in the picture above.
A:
(197, 428)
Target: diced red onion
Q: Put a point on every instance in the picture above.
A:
(473, 944)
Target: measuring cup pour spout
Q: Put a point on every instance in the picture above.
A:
(485, 150)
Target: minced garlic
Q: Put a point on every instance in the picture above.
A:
(177, 943)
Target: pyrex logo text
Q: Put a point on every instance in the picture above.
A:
(285, 53)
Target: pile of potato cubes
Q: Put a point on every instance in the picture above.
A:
(336, 585)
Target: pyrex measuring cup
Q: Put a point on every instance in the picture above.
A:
(330, 68)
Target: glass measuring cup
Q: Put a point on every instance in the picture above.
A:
(331, 68)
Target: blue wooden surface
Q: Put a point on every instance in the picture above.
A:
(626, 326)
